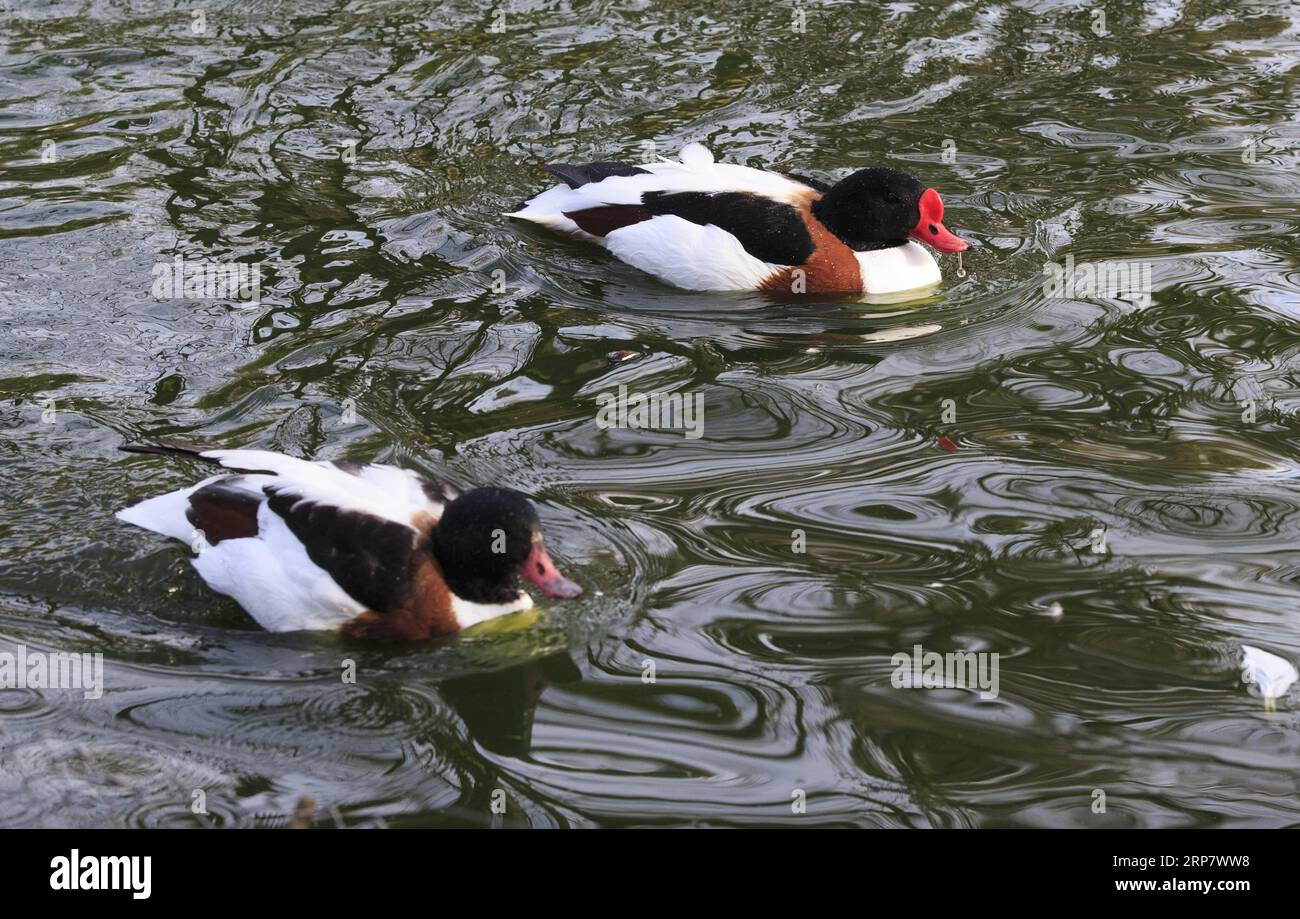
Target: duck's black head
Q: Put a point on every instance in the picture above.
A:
(485, 539)
(879, 208)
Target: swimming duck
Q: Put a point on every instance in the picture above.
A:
(703, 225)
(375, 551)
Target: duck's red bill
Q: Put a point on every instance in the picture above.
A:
(930, 229)
(542, 571)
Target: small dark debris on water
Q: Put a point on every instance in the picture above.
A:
(619, 357)
(946, 443)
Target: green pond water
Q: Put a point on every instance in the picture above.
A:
(1100, 488)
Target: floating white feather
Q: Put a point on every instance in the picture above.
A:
(1272, 674)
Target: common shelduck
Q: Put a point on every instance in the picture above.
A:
(703, 225)
(375, 551)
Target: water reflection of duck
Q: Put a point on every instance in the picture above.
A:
(703, 225)
(498, 707)
(376, 551)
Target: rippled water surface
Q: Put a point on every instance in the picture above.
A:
(1109, 500)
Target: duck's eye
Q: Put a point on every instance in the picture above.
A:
(934, 231)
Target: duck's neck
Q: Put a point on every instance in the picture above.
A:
(834, 212)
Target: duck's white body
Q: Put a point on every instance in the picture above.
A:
(699, 256)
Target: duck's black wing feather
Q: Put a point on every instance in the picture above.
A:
(372, 558)
(769, 230)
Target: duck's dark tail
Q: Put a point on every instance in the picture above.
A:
(577, 175)
(196, 454)
(191, 453)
